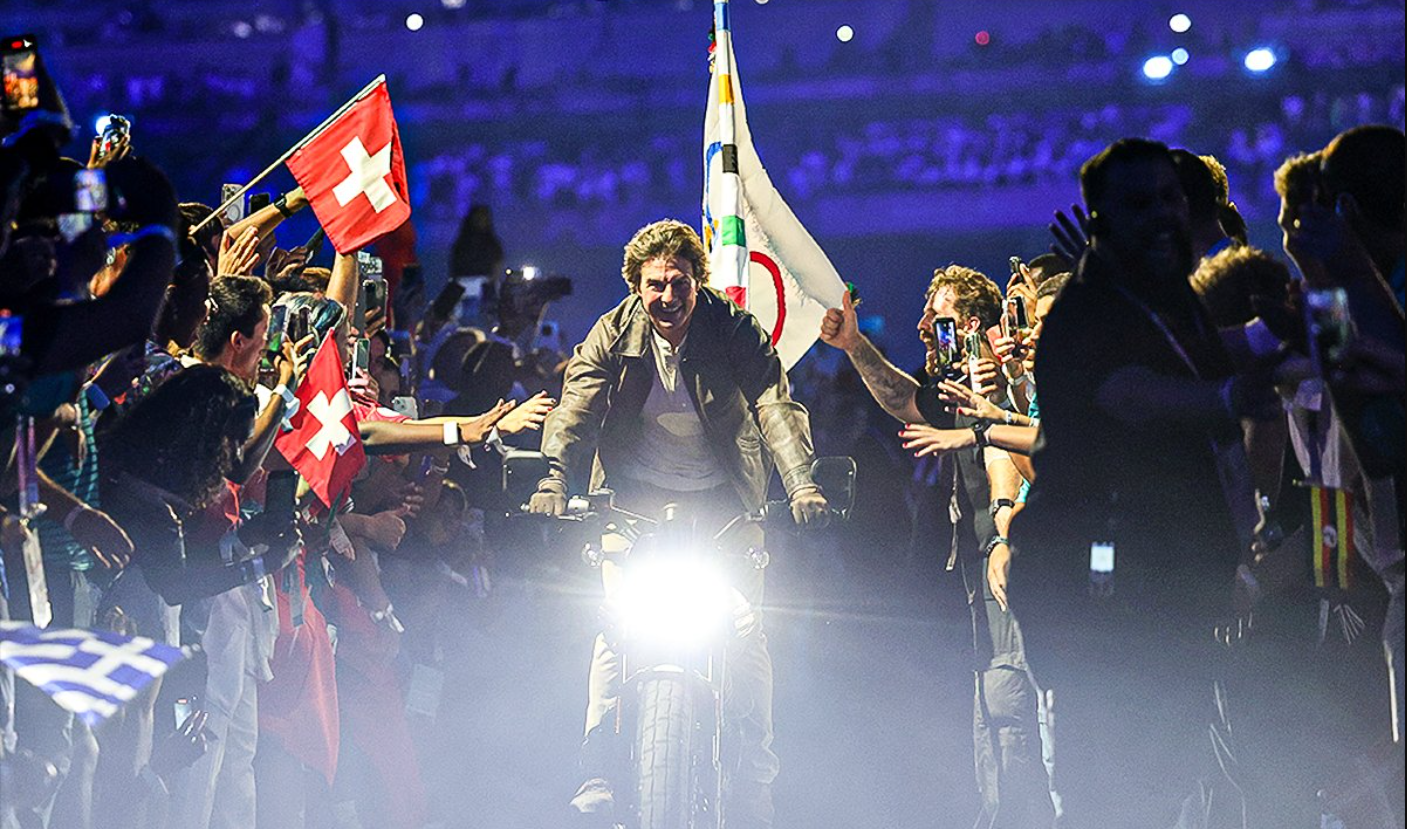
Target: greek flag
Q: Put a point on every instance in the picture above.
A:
(91, 673)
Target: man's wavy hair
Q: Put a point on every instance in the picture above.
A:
(1297, 177)
(185, 436)
(1228, 283)
(666, 238)
(976, 294)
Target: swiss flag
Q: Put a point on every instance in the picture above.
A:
(324, 444)
(354, 174)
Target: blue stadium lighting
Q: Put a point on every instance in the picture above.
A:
(1180, 56)
(1179, 23)
(1157, 67)
(1260, 60)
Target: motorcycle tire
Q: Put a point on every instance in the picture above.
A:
(665, 754)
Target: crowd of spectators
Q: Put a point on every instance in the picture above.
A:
(142, 399)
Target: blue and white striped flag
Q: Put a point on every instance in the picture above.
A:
(90, 673)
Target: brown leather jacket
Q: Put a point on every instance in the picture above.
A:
(733, 376)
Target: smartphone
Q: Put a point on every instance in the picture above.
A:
(278, 325)
(299, 325)
(1014, 318)
(314, 243)
(407, 406)
(375, 292)
(448, 299)
(369, 266)
(972, 348)
(361, 356)
(235, 212)
(1329, 324)
(20, 59)
(1101, 558)
(184, 707)
(945, 334)
(11, 334)
(1015, 264)
(114, 131)
(73, 225)
(259, 201)
(89, 191)
(281, 497)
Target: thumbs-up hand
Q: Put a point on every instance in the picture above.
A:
(839, 327)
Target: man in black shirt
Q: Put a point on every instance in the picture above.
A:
(1128, 547)
(1006, 741)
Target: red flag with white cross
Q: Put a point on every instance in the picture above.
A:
(324, 444)
(353, 173)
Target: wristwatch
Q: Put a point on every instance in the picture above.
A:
(999, 504)
(979, 431)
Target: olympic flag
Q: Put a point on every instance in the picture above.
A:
(760, 255)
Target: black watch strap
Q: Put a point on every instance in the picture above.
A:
(998, 504)
(979, 431)
(281, 205)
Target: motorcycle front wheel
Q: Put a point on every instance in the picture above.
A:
(665, 754)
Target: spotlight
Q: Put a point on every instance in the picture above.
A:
(1157, 67)
(1180, 56)
(1260, 59)
(452, 4)
(414, 21)
(982, 38)
(1179, 23)
(845, 34)
(242, 29)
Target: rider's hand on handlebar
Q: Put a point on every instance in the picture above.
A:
(809, 508)
(547, 502)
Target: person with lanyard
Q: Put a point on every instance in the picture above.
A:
(1129, 544)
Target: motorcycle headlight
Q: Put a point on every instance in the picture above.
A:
(674, 600)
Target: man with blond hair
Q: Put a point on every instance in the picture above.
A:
(671, 399)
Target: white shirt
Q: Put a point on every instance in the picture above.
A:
(673, 452)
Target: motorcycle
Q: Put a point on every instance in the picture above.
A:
(671, 619)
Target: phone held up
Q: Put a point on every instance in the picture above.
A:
(945, 336)
(20, 58)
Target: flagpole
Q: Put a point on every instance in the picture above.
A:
(318, 130)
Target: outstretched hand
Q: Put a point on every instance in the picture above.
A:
(927, 440)
(476, 430)
(528, 416)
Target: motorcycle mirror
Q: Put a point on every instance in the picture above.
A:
(521, 472)
(836, 478)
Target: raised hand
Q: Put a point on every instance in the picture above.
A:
(1071, 236)
(840, 327)
(238, 256)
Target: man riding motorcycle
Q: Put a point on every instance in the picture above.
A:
(671, 399)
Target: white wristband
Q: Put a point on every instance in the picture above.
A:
(287, 394)
(451, 434)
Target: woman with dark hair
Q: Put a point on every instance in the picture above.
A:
(167, 459)
(171, 459)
